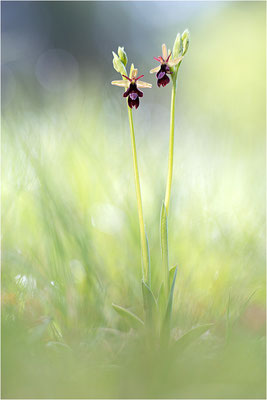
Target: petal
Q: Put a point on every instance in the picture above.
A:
(171, 63)
(127, 78)
(152, 71)
(164, 52)
(141, 84)
(124, 84)
(169, 56)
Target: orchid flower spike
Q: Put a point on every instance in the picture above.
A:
(165, 67)
(132, 85)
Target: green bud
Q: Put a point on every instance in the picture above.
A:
(177, 47)
(123, 56)
(185, 39)
(118, 65)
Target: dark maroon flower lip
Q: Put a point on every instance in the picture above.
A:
(132, 86)
(133, 94)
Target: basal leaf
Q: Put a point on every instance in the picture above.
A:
(189, 337)
(128, 315)
(166, 323)
(170, 299)
(150, 303)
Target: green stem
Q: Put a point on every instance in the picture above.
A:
(170, 165)
(146, 273)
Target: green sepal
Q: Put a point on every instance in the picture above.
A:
(129, 316)
(190, 336)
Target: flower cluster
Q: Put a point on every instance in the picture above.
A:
(169, 65)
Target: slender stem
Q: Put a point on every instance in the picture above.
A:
(146, 273)
(170, 165)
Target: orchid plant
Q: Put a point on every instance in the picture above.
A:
(157, 309)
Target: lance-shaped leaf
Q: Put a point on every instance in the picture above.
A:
(128, 315)
(166, 325)
(164, 247)
(150, 303)
(160, 299)
(189, 337)
(170, 299)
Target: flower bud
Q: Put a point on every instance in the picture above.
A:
(123, 56)
(185, 39)
(177, 47)
(118, 65)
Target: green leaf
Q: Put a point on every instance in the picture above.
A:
(190, 336)
(160, 299)
(164, 246)
(166, 325)
(170, 299)
(129, 316)
(150, 303)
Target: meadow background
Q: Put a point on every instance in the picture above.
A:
(70, 234)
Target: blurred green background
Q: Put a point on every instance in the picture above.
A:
(69, 217)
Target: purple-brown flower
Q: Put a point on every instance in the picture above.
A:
(132, 86)
(165, 67)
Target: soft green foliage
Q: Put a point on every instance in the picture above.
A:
(189, 337)
(71, 237)
(128, 315)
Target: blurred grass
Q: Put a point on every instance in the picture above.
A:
(71, 237)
